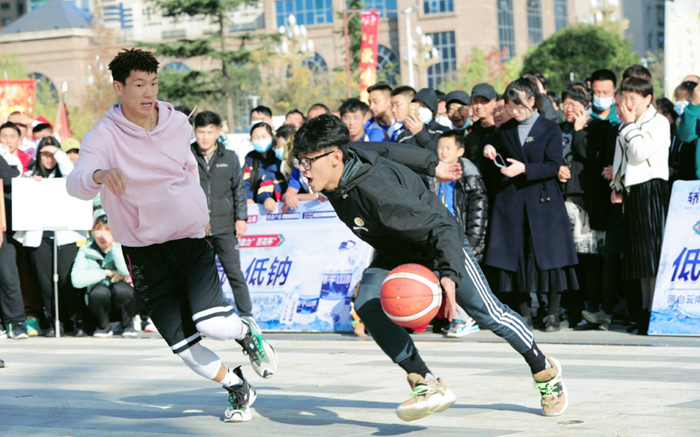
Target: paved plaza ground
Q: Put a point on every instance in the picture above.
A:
(340, 386)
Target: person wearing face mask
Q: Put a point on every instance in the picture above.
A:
(458, 109)
(530, 242)
(441, 116)
(100, 268)
(422, 130)
(603, 83)
(222, 181)
(264, 182)
(682, 156)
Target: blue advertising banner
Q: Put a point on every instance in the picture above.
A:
(676, 306)
(301, 268)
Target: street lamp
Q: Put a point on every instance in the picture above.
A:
(410, 42)
(295, 43)
(424, 55)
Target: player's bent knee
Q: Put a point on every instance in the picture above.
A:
(221, 328)
(201, 360)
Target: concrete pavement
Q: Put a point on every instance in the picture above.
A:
(341, 386)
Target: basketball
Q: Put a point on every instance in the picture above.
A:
(411, 295)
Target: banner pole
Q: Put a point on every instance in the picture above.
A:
(55, 284)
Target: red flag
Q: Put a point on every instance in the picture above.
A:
(61, 126)
(368, 52)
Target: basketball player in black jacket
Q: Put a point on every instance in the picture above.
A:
(387, 205)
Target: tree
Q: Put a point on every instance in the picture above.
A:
(482, 67)
(581, 50)
(194, 86)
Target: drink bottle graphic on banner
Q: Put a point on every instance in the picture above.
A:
(336, 281)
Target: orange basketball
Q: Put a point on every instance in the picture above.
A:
(411, 295)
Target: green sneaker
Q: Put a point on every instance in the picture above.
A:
(429, 396)
(551, 387)
(261, 354)
(33, 329)
(240, 399)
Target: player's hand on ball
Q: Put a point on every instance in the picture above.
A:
(449, 288)
(445, 172)
(111, 179)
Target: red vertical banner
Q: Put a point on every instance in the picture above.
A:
(61, 126)
(368, 52)
(17, 95)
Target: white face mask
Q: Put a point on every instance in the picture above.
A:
(602, 103)
(425, 115)
(680, 106)
(444, 121)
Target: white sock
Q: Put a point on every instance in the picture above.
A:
(548, 364)
(429, 376)
(230, 378)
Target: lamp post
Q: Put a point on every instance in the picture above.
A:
(424, 55)
(409, 42)
(295, 44)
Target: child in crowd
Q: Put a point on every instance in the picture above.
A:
(353, 113)
(100, 268)
(466, 200)
(264, 182)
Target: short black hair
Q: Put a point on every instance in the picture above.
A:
(285, 131)
(638, 85)
(457, 135)
(205, 118)
(184, 109)
(379, 86)
(404, 90)
(353, 105)
(554, 97)
(42, 126)
(603, 75)
(527, 85)
(296, 111)
(687, 86)
(132, 60)
(637, 70)
(319, 105)
(667, 106)
(320, 133)
(262, 110)
(260, 124)
(440, 96)
(578, 92)
(11, 125)
(536, 77)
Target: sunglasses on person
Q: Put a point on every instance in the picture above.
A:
(305, 163)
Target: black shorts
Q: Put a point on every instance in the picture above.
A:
(179, 285)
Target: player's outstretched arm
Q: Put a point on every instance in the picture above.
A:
(419, 160)
(80, 182)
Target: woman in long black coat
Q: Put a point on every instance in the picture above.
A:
(530, 241)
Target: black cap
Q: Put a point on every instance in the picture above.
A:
(428, 96)
(458, 96)
(484, 90)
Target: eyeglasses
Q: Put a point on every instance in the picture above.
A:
(305, 163)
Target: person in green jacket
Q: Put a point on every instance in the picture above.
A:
(689, 127)
(100, 267)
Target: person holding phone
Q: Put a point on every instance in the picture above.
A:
(421, 128)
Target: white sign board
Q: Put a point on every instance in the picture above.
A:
(676, 306)
(681, 43)
(46, 206)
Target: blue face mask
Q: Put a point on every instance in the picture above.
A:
(262, 146)
(279, 153)
(466, 125)
(602, 103)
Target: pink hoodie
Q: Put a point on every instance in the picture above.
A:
(163, 200)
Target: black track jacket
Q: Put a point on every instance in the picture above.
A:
(386, 204)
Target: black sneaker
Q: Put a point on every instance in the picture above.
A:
(2, 364)
(262, 356)
(551, 324)
(19, 331)
(240, 398)
(103, 333)
(51, 331)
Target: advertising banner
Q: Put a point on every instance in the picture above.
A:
(368, 52)
(17, 95)
(681, 42)
(31, 199)
(676, 306)
(301, 268)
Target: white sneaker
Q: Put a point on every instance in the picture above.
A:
(3, 334)
(240, 398)
(460, 328)
(150, 327)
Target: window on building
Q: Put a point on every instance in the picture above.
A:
(6, 22)
(438, 6)
(561, 13)
(382, 5)
(316, 64)
(20, 8)
(176, 66)
(444, 42)
(506, 31)
(174, 33)
(534, 21)
(661, 40)
(387, 59)
(4, 6)
(660, 14)
(307, 12)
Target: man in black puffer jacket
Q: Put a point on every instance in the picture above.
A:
(387, 205)
(222, 181)
(422, 130)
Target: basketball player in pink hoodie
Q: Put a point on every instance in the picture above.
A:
(138, 158)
